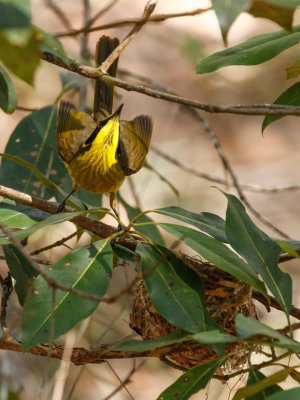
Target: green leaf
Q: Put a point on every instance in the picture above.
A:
(15, 219)
(213, 337)
(21, 270)
(177, 302)
(260, 251)
(256, 376)
(50, 44)
(227, 12)
(72, 81)
(191, 381)
(293, 70)
(32, 213)
(281, 14)
(254, 51)
(53, 219)
(151, 344)
(259, 386)
(216, 253)
(247, 327)
(34, 141)
(15, 22)
(8, 98)
(290, 394)
(88, 270)
(13, 57)
(290, 97)
(206, 222)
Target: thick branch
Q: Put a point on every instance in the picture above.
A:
(94, 73)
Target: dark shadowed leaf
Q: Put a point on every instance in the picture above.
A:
(290, 97)
(254, 51)
(206, 222)
(8, 99)
(216, 253)
(21, 270)
(247, 327)
(34, 141)
(256, 376)
(85, 269)
(191, 381)
(173, 298)
(227, 12)
(15, 22)
(260, 251)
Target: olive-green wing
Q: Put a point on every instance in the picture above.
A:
(134, 143)
(73, 128)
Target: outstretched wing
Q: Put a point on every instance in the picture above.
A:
(73, 128)
(134, 143)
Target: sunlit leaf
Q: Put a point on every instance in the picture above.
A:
(216, 253)
(191, 381)
(15, 219)
(256, 376)
(84, 269)
(247, 327)
(227, 12)
(172, 297)
(8, 99)
(254, 51)
(290, 97)
(259, 386)
(260, 251)
(293, 70)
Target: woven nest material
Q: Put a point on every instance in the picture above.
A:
(225, 297)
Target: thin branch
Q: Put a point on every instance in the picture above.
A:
(57, 243)
(251, 109)
(149, 8)
(272, 302)
(133, 21)
(99, 14)
(84, 52)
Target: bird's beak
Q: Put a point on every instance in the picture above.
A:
(117, 112)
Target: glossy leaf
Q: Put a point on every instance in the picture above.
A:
(15, 22)
(247, 327)
(216, 253)
(282, 14)
(290, 97)
(290, 394)
(206, 222)
(13, 56)
(8, 98)
(191, 381)
(34, 141)
(254, 51)
(85, 269)
(177, 302)
(256, 388)
(260, 251)
(15, 219)
(256, 376)
(21, 270)
(227, 12)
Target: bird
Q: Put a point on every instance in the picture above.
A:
(100, 151)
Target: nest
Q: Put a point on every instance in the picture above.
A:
(225, 298)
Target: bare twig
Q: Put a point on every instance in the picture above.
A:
(84, 52)
(57, 243)
(149, 8)
(250, 109)
(99, 14)
(7, 287)
(272, 302)
(133, 21)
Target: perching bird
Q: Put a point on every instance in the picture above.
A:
(100, 152)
